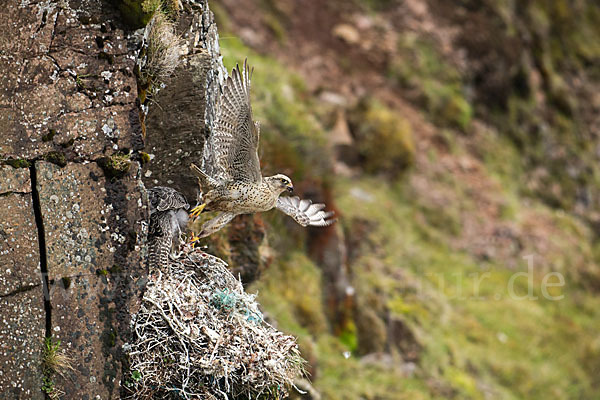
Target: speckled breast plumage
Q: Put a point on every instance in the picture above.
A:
(244, 197)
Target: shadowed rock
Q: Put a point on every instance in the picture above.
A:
(176, 121)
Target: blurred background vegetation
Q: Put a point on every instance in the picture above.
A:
(457, 141)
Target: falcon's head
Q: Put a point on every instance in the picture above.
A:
(280, 183)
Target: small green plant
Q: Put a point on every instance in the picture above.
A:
(138, 13)
(168, 7)
(54, 361)
(145, 157)
(48, 136)
(151, 6)
(136, 376)
(79, 80)
(48, 386)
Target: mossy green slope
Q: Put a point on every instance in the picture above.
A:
(474, 340)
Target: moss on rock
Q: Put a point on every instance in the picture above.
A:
(136, 13)
(48, 136)
(56, 157)
(145, 157)
(383, 138)
(18, 163)
(115, 166)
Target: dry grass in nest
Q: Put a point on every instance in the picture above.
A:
(198, 335)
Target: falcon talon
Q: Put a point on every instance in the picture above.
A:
(196, 211)
(192, 240)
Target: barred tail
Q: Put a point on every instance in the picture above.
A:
(159, 240)
(158, 252)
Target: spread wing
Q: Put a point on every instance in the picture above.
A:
(234, 141)
(305, 212)
(164, 198)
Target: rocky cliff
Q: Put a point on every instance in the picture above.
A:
(456, 140)
(74, 208)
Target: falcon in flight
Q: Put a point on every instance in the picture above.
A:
(168, 220)
(230, 175)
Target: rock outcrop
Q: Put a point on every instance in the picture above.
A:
(73, 205)
(21, 296)
(178, 112)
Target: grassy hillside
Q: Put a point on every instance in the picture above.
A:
(469, 262)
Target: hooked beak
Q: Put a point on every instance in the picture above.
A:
(290, 189)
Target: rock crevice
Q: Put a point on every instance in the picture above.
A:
(39, 223)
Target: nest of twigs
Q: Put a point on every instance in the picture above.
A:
(198, 335)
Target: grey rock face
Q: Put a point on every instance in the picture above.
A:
(21, 337)
(72, 201)
(22, 323)
(19, 249)
(68, 94)
(94, 239)
(91, 223)
(84, 320)
(65, 85)
(14, 180)
(175, 130)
